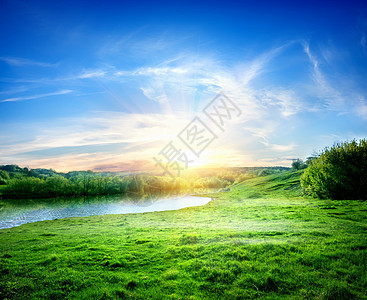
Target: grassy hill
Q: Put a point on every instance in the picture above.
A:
(259, 239)
(284, 184)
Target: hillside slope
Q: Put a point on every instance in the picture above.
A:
(285, 184)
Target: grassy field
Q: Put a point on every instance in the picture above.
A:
(260, 239)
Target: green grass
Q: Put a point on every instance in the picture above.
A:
(260, 239)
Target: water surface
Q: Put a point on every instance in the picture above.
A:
(18, 212)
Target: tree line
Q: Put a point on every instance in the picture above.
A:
(17, 182)
(337, 172)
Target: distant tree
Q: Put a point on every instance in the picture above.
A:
(298, 164)
(15, 171)
(244, 177)
(11, 168)
(46, 183)
(82, 180)
(57, 186)
(180, 184)
(228, 176)
(340, 172)
(28, 187)
(4, 177)
(136, 185)
(267, 171)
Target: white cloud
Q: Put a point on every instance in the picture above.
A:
(61, 92)
(179, 80)
(285, 100)
(282, 148)
(92, 74)
(262, 132)
(337, 92)
(155, 92)
(101, 128)
(332, 97)
(17, 61)
(255, 67)
(362, 108)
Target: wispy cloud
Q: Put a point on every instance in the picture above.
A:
(18, 62)
(189, 76)
(102, 128)
(362, 26)
(282, 148)
(178, 87)
(362, 108)
(258, 65)
(103, 138)
(155, 93)
(286, 100)
(14, 90)
(91, 74)
(364, 42)
(332, 97)
(133, 45)
(337, 92)
(61, 92)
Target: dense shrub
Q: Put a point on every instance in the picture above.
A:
(340, 172)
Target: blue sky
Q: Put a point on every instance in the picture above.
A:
(104, 86)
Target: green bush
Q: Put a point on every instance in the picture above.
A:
(340, 172)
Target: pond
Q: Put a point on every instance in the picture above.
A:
(15, 213)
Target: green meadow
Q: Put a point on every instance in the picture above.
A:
(259, 239)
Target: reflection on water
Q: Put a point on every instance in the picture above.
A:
(15, 212)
